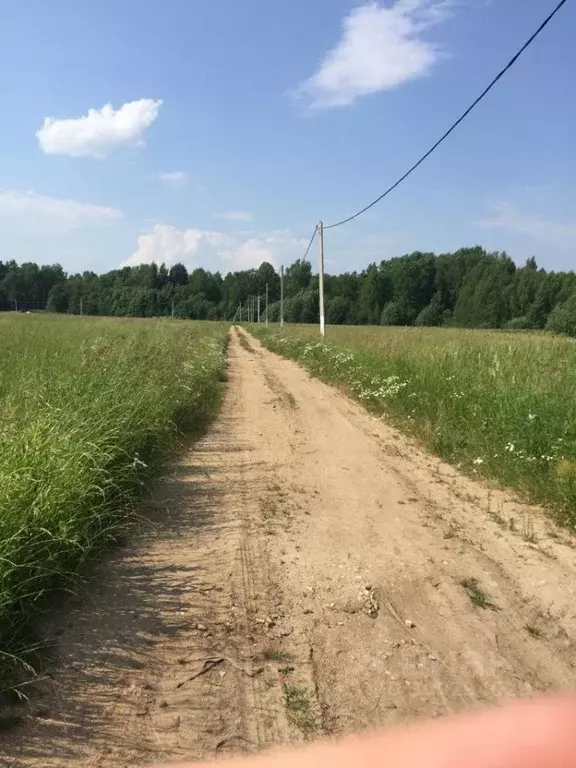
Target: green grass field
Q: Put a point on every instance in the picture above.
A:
(500, 405)
(88, 410)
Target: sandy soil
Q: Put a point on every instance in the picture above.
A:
(305, 571)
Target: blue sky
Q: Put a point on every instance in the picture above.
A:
(232, 127)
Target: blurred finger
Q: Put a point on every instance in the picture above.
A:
(534, 734)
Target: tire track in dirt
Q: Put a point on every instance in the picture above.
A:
(435, 552)
(173, 650)
(306, 570)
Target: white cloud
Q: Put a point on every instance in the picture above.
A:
(170, 245)
(214, 250)
(54, 211)
(508, 217)
(249, 250)
(175, 179)
(381, 48)
(244, 216)
(100, 131)
(248, 255)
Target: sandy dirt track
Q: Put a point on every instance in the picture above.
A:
(305, 571)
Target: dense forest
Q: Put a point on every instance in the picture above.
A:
(468, 288)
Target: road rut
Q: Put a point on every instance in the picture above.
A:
(304, 571)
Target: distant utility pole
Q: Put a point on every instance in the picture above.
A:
(281, 296)
(258, 308)
(321, 276)
(172, 309)
(266, 304)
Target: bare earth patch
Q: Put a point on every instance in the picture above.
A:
(306, 571)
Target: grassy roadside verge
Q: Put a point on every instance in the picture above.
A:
(499, 405)
(88, 410)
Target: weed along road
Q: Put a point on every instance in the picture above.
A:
(304, 571)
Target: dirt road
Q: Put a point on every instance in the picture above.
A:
(304, 571)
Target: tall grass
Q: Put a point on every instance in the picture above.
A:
(501, 405)
(88, 408)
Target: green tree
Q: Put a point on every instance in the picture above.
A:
(298, 277)
(337, 310)
(451, 271)
(413, 278)
(375, 290)
(433, 313)
(396, 313)
(310, 312)
(12, 287)
(178, 274)
(483, 300)
(563, 317)
(266, 275)
(57, 299)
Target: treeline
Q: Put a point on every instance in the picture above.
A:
(470, 288)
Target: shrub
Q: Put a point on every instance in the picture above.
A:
(562, 319)
(432, 314)
(519, 324)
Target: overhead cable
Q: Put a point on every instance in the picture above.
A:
(462, 117)
(310, 243)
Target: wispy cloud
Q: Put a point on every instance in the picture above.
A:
(100, 131)
(510, 218)
(243, 216)
(382, 47)
(175, 179)
(53, 211)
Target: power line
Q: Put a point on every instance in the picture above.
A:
(462, 117)
(310, 243)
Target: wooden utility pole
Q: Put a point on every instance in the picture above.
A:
(266, 304)
(258, 320)
(321, 276)
(281, 296)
